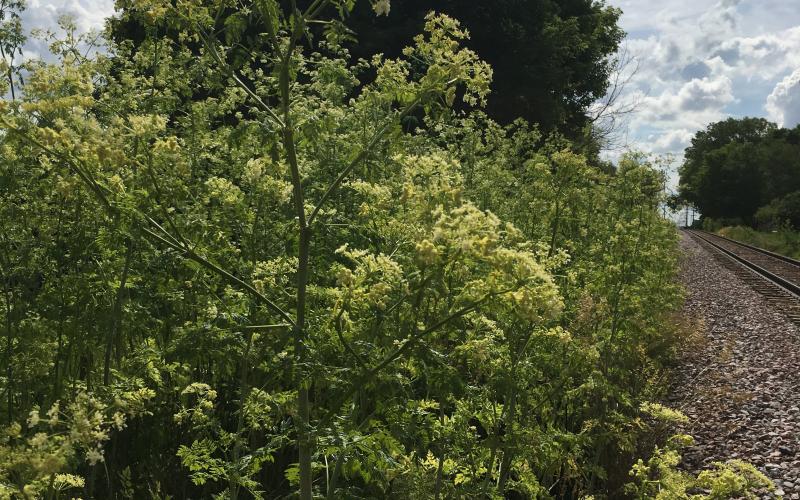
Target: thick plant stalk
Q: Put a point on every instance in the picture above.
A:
(285, 123)
(8, 296)
(440, 467)
(234, 487)
(508, 455)
(9, 373)
(304, 434)
(116, 313)
(9, 73)
(337, 471)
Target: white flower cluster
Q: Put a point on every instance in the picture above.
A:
(382, 7)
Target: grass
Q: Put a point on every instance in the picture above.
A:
(783, 241)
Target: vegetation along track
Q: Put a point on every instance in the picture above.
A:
(775, 276)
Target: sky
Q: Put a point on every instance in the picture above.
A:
(44, 14)
(698, 61)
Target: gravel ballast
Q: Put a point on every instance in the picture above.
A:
(740, 384)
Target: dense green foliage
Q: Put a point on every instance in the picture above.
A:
(659, 476)
(784, 211)
(247, 278)
(551, 58)
(744, 170)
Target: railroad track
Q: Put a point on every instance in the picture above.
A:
(774, 276)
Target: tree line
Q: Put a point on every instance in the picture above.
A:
(744, 171)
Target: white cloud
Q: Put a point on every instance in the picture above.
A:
(672, 141)
(760, 15)
(88, 14)
(705, 93)
(764, 56)
(783, 104)
(704, 60)
(691, 106)
(44, 15)
(717, 24)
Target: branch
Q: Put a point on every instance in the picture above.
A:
(371, 144)
(345, 343)
(208, 42)
(314, 9)
(265, 328)
(194, 256)
(158, 197)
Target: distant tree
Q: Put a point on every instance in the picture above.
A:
(736, 166)
(718, 175)
(731, 185)
(780, 164)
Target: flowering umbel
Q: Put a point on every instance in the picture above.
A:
(382, 7)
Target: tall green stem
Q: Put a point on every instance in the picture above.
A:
(9, 373)
(304, 434)
(116, 313)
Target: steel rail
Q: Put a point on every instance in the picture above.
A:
(785, 284)
(751, 247)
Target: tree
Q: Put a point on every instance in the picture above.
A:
(779, 212)
(551, 58)
(736, 166)
(609, 115)
(722, 173)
